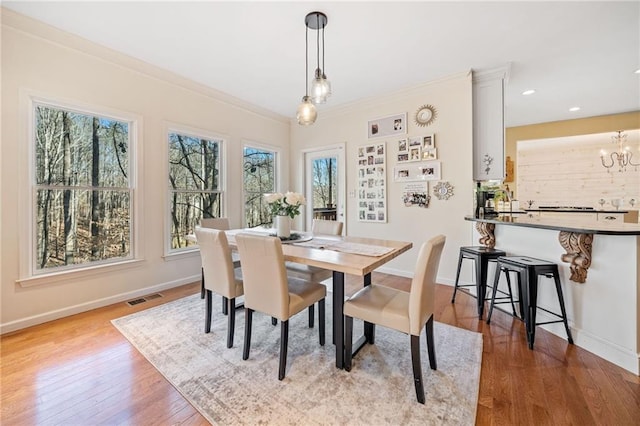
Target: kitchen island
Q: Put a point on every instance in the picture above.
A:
(598, 263)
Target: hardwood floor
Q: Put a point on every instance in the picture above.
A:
(80, 370)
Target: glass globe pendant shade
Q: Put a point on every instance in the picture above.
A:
(307, 112)
(320, 88)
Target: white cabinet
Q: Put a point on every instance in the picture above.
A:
(488, 124)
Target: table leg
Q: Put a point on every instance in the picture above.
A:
(369, 328)
(338, 317)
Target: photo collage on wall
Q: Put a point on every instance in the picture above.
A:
(417, 159)
(371, 192)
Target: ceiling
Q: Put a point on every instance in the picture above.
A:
(572, 53)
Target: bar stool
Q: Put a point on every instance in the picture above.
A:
(529, 271)
(481, 256)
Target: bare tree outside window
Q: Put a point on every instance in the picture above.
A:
(82, 190)
(259, 178)
(325, 178)
(194, 184)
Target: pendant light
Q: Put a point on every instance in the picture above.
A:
(320, 86)
(307, 113)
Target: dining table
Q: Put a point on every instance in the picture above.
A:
(357, 256)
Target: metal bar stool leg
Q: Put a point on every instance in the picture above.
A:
(531, 283)
(455, 287)
(556, 278)
(496, 279)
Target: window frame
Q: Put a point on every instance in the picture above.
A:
(30, 275)
(171, 253)
(277, 172)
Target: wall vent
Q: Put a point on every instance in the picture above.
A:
(143, 299)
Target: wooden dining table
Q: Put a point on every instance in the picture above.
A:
(345, 261)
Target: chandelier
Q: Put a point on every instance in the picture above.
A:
(621, 157)
(320, 86)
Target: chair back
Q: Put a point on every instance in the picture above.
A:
(264, 275)
(215, 223)
(217, 265)
(327, 227)
(423, 284)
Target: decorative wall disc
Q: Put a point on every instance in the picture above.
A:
(425, 115)
(443, 190)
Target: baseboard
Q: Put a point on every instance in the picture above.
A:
(616, 354)
(94, 304)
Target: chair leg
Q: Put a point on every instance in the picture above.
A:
(284, 340)
(248, 316)
(202, 291)
(348, 341)
(225, 301)
(311, 315)
(207, 311)
(321, 321)
(431, 344)
(417, 368)
(232, 321)
(274, 321)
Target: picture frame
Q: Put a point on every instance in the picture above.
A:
(429, 170)
(428, 142)
(402, 174)
(430, 154)
(371, 194)
(403, 145)
(417, 172)
(415, 153)
(386, 126)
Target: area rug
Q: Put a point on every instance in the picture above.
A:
(379, 389)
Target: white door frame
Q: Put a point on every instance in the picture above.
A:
(338, 151)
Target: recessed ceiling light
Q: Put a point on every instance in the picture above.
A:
(638, 71)
(573, 109)
(529, 92)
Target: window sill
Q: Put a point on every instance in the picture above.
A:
(184, 254)
(77, 274)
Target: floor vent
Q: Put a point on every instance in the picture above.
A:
(153, 296)
(143, 299)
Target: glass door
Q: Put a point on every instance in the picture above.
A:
(325, 184)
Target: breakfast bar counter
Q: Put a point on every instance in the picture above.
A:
(598, 263)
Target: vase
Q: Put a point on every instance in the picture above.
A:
(283, 226)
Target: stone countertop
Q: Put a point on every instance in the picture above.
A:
(571, 210)
(570, 224)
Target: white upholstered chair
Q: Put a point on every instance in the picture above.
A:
(219, 275)
(221, 223)
(267, 289)
(402, 311)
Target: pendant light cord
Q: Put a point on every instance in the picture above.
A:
(306, 61)
(318, 40)
(323, 73)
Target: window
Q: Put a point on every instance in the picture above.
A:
(194, 184)
(259, 177)
(83, 189)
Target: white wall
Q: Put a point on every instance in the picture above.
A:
(39, 59)
(453, 136)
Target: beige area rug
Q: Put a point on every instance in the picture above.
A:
(378, 390)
